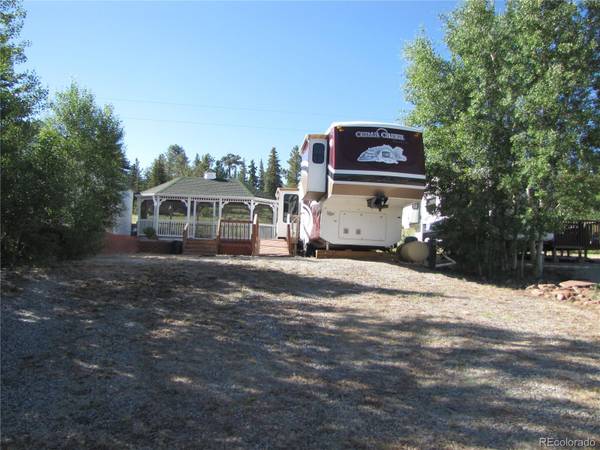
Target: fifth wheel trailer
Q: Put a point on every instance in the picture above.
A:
(355, 180)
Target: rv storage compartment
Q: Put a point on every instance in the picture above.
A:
(362, 226)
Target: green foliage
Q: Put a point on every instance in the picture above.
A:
(252, 176)
(242, 172)
(90, 139)
(21, 97)
(135, 177)
(220, 171)
(150, 233)
(294, 166)
(177, 163)
(61, 179)
(202, 164)
(231, 163)
(511, 124)
(273, 174)
(157, 173)
(260, 183)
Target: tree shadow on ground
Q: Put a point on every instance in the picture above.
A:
(224, 357)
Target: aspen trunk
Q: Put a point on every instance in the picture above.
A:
(539, 257)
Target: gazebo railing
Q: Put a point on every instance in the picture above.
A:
(171, 228)
(206, 229)
(142, 224)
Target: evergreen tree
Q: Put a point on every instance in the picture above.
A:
(220, 171)
(195, 166)
(158, 172)
(260, 185)
(273, 174)
(177, 163)
(135, 176)
(202, 164)
(294, 166)
(242, 173)
(252, 177)
(231, 163)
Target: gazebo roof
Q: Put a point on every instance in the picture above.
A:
(197, 186)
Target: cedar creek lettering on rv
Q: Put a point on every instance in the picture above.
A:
(380, 133)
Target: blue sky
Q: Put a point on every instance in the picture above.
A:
(230, 77)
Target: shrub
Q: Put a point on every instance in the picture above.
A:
(150, 233)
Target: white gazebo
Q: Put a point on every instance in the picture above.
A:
(201, 203)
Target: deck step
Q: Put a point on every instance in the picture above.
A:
(200, 247)
(274, 247)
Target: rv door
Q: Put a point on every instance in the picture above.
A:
(288, 208)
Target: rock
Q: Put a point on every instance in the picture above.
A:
(536, 292)
(577, 284)
(563, 294)
(546, 287)
(533, 286)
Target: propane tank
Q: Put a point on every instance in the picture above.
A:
(414, 251)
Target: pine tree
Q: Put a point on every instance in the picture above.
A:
(177, 163)
(158, 172)
(260, 185)
(220, 171)
(135, 176)
(252, 177)
(273, 174)
(294, 166)
(242, 173)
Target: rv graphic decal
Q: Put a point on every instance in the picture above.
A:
(384, 154)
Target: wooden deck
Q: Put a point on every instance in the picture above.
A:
(235, 238)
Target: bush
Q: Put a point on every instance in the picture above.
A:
(150, 233)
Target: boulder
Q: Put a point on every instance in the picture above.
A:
(576, 284)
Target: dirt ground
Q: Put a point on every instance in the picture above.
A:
(234, 352)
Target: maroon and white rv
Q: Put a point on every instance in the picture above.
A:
(356, 178)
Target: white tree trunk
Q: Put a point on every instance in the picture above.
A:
(539, 265)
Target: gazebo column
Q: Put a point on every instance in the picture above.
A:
(187, 208)
(139, 208)
(252, 205)
(156, 213)
(195, 219)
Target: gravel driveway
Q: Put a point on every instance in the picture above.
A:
(234, 352)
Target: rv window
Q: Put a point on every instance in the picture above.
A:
(318, 153)
(290, 205)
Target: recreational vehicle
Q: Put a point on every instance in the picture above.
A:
(355, 180)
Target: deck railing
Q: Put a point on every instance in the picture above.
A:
(266, 231)
(235, 230)
(207, 229)
(142, 224)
